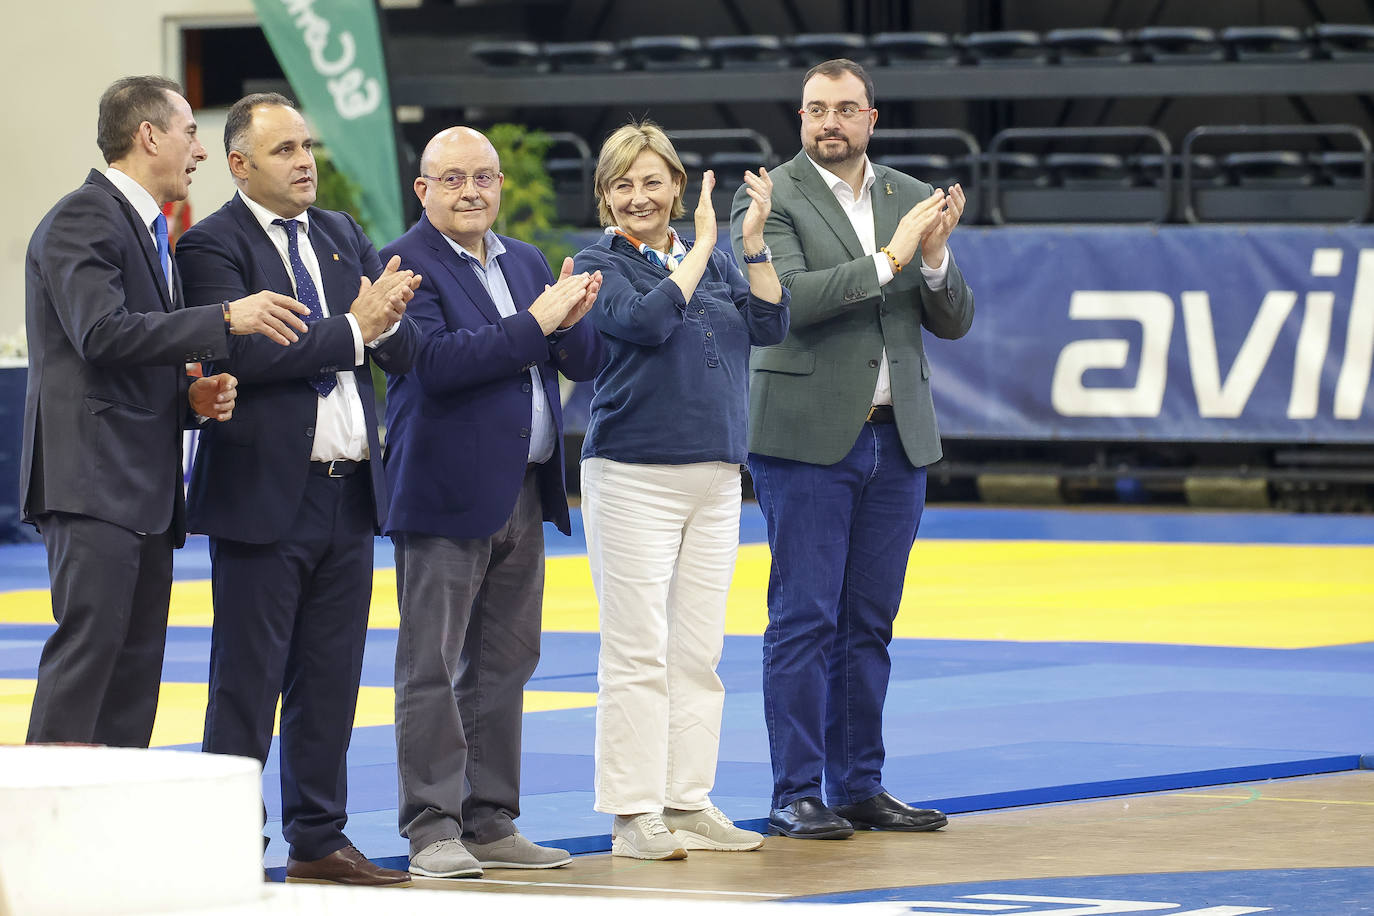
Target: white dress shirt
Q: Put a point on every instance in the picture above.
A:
(859, 209)
(542, 429)
(143, 203)
(340, 426)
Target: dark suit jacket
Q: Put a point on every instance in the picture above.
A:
(106, 401)
(809, 395)
(250, 471)
(458, 425)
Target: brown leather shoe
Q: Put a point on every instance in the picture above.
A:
(344, 866)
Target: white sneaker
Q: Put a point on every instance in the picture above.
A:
(446, 858)
(644, 836)
(709, 828)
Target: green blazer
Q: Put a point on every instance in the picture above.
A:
(810, 394)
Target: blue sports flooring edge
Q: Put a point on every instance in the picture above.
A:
(1277, 891)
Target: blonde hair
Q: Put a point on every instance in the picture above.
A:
(618, 154)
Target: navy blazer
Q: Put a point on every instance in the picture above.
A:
(458, 424)
(249, 473)
(106, 400)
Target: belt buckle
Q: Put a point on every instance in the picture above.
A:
(333, 462)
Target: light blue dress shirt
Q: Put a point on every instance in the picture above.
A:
(542, 429)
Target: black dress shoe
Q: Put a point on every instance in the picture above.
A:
(883, 812)
(809, 819)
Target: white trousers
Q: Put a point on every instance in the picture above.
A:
(662, 541)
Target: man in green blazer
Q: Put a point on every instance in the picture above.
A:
(841, 428)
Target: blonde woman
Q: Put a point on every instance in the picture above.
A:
(661, 486)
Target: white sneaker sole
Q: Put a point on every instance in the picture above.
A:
(623, 847)
(687, 839)
(558, 864)
(456, 873)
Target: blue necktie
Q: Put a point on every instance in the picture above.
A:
(164, 251)
(308, 296)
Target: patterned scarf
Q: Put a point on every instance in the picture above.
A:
(668, 262)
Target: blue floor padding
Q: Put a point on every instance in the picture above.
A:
(1165, 526)
(1042, 722)
(969, 724)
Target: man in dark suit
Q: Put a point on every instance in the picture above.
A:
(841, 430)
(291, 490)
(475, 459)
(107, 400)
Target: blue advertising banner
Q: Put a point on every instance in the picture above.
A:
(1181, 333)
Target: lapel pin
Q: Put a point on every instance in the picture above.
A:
(888, 186)
(336, 254)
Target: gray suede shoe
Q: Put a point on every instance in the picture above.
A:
(446, 858)
(515, 851)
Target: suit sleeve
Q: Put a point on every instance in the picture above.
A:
(454, 354)
(817, 295)
(212, 270)
(579, 351)
(948, 313)
(83, 264)
(397, 353)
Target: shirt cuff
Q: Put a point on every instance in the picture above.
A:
(936, 276)
(357, 339)
(884, 265)
(385, 334)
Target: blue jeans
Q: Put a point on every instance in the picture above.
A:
(840, 536)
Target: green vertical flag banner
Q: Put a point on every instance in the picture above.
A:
(331, 52)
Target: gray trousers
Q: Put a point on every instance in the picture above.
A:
(469, 640)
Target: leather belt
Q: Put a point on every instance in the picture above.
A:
(880, 413)
(339, 467)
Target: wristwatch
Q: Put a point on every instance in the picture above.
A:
(763, 257)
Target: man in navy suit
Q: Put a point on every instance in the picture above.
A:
(291, 490)
(475, 459)
(107, 400)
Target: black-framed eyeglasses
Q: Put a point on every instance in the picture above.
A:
(843, 112)
(456, 181)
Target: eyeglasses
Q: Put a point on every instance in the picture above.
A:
(844, 112)
(456, 181)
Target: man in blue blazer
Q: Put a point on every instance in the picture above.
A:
(475, 458)
(292, 490)
(107, 400)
